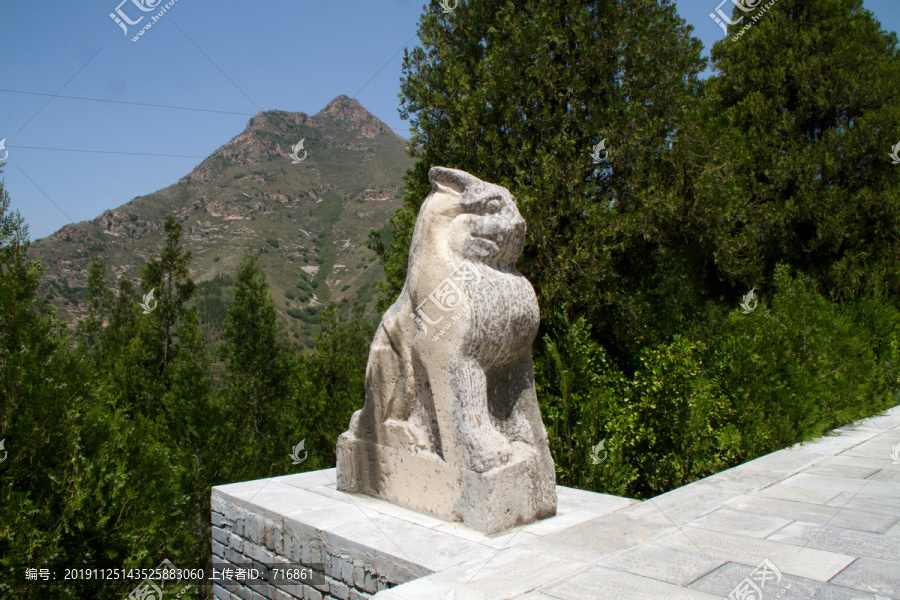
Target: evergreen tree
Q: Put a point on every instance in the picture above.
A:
(74, 485)
(332, 381)
(803, 114)
(168, 275)
(99, 302)
(519, 94)
(257, 377)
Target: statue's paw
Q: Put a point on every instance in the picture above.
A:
(493, 450)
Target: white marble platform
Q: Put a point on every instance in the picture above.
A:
(824, 513)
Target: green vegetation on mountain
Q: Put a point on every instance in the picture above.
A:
(310, 219)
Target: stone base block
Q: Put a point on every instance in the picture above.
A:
(489, 502)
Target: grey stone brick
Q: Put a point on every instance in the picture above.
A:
(220, 520)
(312, 594)
(234, 557)
(347, 570)
(337, 568)
(340, 590)
(220, 535)
(312, 554)
(370, 586)
(218, 549)
(236, 543)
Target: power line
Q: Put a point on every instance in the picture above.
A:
(45, 195)
(172, 21)
(105, 152)
(225, 112)
(313, 163)
(383, 66)
(106, 100)
(59, 90)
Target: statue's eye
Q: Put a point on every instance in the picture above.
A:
(493, 207)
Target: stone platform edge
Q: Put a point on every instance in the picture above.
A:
(369, 548)
(361, 545)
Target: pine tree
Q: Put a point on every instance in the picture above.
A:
(520, 94)
(332, 381)
(258, 364)
(803, 114)
(99, 304)
(75, 472)
(170, 276)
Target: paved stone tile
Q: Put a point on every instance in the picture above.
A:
(723, 581)
(893, 531)
(400, 541)
(867, 487)
(811, 563)
(837, 539)
(559, 522)
(887, 475)
(836, 470)
(879, 504)
(772, 467)
(785, 491)
(277, 499)
(871, 576)
(507, 540)
(243, 488)
(728, 520)
(852, 461)
(508, 574)
(661, 563)
(602, 582)
(374, 506)
(815, 513)
(571, 499)
(838, 441)
(826, 482)
(600, 537)
(875, 451)
(309, 523)
(685, 504)
(310, 479)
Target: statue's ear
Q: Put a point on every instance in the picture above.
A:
(449, 180)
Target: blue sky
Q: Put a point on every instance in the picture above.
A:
(229, 56)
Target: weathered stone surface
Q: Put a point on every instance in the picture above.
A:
(451, 424)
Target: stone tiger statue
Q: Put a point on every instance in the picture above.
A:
(449, 372)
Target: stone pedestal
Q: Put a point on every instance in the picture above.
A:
(491, 502)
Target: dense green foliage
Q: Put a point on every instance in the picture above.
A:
(772, 174)
(114, 443)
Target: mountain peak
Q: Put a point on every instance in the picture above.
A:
(343, 107)
(353, 115)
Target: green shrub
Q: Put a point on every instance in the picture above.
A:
(740, 386)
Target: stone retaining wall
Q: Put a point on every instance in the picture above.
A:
(242, 538)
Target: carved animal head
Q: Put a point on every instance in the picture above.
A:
(470, 218)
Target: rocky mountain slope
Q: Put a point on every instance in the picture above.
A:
(310, 220)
